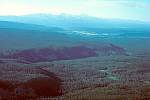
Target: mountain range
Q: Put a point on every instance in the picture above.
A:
(65, 21)
(64, 30)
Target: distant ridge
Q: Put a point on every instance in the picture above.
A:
(66, 21)
(25, 26)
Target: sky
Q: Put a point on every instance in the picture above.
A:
(118, 9)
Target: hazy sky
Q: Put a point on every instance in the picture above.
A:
(122, 9)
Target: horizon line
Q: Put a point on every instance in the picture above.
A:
(66, 14)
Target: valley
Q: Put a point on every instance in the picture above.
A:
(69, 62)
